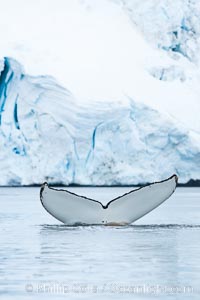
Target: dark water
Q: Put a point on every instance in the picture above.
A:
(156, 257)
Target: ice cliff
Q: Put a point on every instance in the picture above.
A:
(46, 135)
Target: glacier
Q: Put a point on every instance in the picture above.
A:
(103, 50)
(172, 26)
(47, 135)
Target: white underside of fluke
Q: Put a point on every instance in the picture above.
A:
(73, 209)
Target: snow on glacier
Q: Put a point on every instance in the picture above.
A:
(172, 26)
(47, 135)
(102, 53)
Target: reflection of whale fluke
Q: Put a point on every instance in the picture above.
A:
(73, 209)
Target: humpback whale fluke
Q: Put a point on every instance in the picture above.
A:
(72, 209)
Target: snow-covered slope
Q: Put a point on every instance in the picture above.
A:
(45, 134)
(105, 50)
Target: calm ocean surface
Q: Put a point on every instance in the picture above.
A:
(156, 257)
